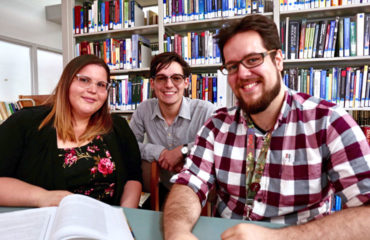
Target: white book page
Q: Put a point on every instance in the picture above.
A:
(80, 216)
(26, 224)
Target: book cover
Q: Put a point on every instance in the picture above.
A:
(346, 35)
(316, 40)
(311, 39)
(367, 35)
(321, 43)
(353, 38)
(363, 87)
(302, 38)
(293, 39)
(360, 24)
(335, 36)
(307, 40)
(340, 38)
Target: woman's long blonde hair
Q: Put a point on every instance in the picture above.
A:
(61, 112)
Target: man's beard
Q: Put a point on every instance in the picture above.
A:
(264, 101)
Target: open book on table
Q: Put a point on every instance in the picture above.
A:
(76, 217)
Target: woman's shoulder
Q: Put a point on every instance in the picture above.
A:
(32, 113)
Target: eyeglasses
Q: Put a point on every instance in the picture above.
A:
(176, 79)
(85, 82)
(249, 61)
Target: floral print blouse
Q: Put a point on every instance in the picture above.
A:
(90, 170)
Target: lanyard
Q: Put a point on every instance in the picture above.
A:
(254, 169)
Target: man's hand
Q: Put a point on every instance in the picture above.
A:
(244, 231)
(51, 198)
(171, 160)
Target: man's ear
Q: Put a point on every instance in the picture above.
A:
(151, 83)
(186, 82)
(279, 60)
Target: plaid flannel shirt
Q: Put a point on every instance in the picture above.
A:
(316, 149)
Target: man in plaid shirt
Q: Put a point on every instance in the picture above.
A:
(279, 156)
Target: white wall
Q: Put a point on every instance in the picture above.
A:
(25, 20)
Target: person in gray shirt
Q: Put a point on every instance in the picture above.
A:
(170, 121)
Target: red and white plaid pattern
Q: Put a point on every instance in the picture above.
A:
(316, 149)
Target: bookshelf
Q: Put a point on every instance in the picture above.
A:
(156, 34)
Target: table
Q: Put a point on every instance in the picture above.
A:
(147, 224)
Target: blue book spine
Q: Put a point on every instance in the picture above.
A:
(334, 88)
(218, 54)
(214, 89)
(121, 22)
(327, 52)
(103, 16)
(197, 59)
(82, 19)
(201, 9)
(327, 89)
(120, 93)
(168, 44)
(359, 95)
(323, 84)
(352, 88)
(129, 94)
(311, 81)
(346, 37)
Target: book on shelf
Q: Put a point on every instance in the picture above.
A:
(99, 15)
(360, 24)
(353, 35)
(294, 32)
(367, 35)
(348, 87)
(76, 217)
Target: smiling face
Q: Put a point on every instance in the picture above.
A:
(168, 93)
(255, 88)
(86, 101)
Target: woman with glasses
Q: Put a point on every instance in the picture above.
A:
(72, 144)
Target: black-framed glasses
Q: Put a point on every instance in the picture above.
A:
(176, 79)
(249, 61)
(85, 82)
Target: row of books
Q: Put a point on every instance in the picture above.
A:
(337, 37)
(348, 87)
(291, 5)
(104, 15)
(129, 91)
(363, 119)
(8, 108)
(192, 10)
(195, 47)
(127, 53)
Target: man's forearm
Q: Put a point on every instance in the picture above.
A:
(181, 211)
(351, 223)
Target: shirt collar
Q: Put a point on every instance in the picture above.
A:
(184, 110)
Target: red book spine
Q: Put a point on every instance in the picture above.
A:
(366, 130)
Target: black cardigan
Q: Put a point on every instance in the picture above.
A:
(29, 154)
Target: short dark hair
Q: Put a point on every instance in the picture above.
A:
(162, 60)
(263, 25)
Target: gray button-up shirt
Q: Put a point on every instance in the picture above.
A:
(148, 119)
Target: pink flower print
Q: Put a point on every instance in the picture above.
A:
(107, 153)
(98, 137)
(109, 191)
(70, 157)
(92, 148)
(105, 166)
(93, 170)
